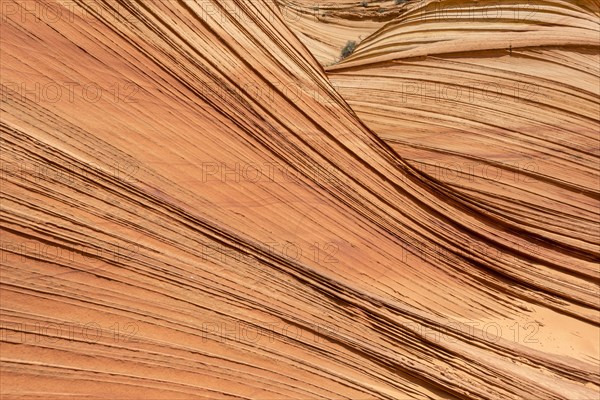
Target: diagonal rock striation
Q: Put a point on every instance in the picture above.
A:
(193, 208)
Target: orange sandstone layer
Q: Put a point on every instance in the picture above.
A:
(499, 103)
(191, 210)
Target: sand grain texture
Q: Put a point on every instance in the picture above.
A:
(231, 220)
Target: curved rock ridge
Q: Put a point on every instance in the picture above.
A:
(190, 209)
(492, 115)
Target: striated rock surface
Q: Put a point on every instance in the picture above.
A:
(193, 208)
(498, 101)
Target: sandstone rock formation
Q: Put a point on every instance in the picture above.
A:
(194, 207)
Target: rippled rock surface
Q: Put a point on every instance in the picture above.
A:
(202, 200)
